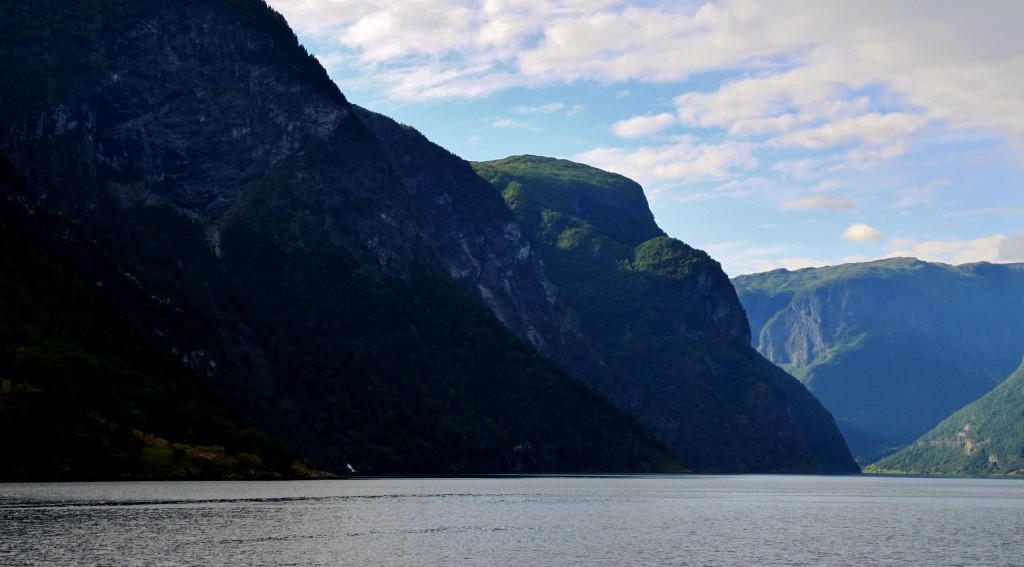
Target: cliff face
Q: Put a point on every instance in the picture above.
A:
(350, 286)
(479, 240)
(212, 159)
(673, 336)
(890, 347)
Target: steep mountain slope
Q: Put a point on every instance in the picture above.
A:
(890, 347)
(985, 437)
(480, 241)
(213, 160)
(84, 386)
(673, 338)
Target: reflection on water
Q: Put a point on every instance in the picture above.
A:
(614, 520)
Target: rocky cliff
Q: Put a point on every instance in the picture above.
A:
(673, 337)
(211, 159)
(891, 347)
(353, 288)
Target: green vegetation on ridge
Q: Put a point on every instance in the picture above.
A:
(986, 437)
(667, 322)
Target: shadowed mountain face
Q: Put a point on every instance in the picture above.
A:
(672, 337)
(343, 283)
(212, 159)
(890, 347)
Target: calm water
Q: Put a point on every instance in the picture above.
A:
(616, 520)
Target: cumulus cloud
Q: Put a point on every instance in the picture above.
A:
(794, 168)
(862, 233)
(1011, 248)
(681, 159)
(814, 74)
(820, 202)
(872, 128)
(643, 125)
(982, 249)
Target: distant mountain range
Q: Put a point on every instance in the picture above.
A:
(890, 347)
(242, 259)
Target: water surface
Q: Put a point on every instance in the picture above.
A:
(521, 521)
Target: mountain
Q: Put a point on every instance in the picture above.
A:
(338, 281)
(85, 390)
(672, 338)
(211, 159)
(890, 347)
(986, 437)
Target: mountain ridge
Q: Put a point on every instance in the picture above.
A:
(673, 336)
(378, 308)
(214, 161)
(893, 346)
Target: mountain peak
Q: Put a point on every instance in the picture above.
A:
(611, 203)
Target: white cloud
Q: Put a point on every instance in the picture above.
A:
(509, 123)
(643, 125)
(678, 160)
(862, 233)
(864, 158)
(1011, 248)
(982, 249)
(816, 73)
(820, 202)
(872, 128)
(794, 168)
(952, 61)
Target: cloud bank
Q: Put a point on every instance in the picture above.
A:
(764, 102)
(814, 74)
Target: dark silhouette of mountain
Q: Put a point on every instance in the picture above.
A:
(335, 279)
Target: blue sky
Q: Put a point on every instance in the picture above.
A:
(770, 133)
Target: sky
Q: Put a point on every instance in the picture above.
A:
(769, 133)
